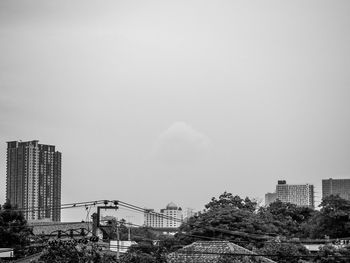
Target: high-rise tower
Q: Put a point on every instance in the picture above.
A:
(339, 187)
(34, 179)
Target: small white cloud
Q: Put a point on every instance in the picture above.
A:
(181, 144)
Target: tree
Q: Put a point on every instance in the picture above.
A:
(284, 252)
(70, 251)
(333, 254)
(333, 220)
(145, 252)
(229, 218)
(14, 231)
(227, 199)
(286, 219)
(296, 213)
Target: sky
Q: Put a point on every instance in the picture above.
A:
(158, 101)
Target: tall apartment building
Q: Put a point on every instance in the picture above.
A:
(169, 217)
(299, 194)
(34, 179)
(339, 187)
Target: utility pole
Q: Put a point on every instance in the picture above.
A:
(129, 227)
(108, 228)
(117, 241)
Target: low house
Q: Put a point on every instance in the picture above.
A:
(51, 228)
(6, 252)
(214, 252)
(120, 245)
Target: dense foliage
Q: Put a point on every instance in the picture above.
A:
(284, 252)
(273, 231)
(334, 254)
(14, 232)
(73, 252)
(145, 252)
(286, 219)
(333, 220)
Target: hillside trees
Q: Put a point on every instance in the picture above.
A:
(229, 217)
(284, 252)
(286, 219)
(333, 220)
(239, 221)
(273, 229)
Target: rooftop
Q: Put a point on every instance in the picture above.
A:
(210, 251)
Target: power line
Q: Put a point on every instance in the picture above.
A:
(62, 206)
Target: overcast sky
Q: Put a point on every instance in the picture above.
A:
(158, 101)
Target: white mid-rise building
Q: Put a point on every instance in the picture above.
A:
(298, 194)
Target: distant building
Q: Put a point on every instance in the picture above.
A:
(169, 217)
(298, 194)
(172, 216)
(339, 187)
(270, 198)
(6, 252)
(188, 213)
(33, 181)
(153, 219)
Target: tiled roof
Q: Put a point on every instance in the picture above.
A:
(209, 251)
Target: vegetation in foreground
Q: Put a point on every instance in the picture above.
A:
(273, 231)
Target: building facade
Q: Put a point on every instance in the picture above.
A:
(153, 219)
(169, 217)
(339, 187)
(298, 194)
(33, 181)
(188, 213)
